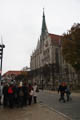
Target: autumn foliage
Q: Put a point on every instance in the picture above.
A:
(71, 47)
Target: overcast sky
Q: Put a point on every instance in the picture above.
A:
(20, 26)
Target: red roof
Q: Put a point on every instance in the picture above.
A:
(55, 38)
(13, 72)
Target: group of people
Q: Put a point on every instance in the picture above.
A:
(64, 90)
(18, 95)
(22, 94)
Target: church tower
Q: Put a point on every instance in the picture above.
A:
(44, 30)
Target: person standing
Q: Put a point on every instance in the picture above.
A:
(11, 95)
(1, 89)
(35, 91)
(25, 90)
(5, 95)
(30, 89)
(21, 95)
(67, 91)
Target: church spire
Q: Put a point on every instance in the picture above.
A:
(44, 27)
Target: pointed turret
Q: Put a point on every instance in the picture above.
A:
(44, 27)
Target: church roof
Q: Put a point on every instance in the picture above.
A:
(55, 38)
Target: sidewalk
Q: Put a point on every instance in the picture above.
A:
(33, 112)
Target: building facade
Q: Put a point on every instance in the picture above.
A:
(47, 64)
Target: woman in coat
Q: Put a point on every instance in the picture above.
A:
(35, 91)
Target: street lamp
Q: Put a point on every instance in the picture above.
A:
(2, 46)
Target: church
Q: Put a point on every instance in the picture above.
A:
(47, 65)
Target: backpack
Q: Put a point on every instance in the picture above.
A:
(10, 90)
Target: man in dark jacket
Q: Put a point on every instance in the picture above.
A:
(25, 90)
(61, 89)
(1, 89)
(5, 93)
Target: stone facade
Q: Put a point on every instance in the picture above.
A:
(47, 64)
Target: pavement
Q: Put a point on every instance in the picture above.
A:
(70, 109)
(33, 112)
(37, 111)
